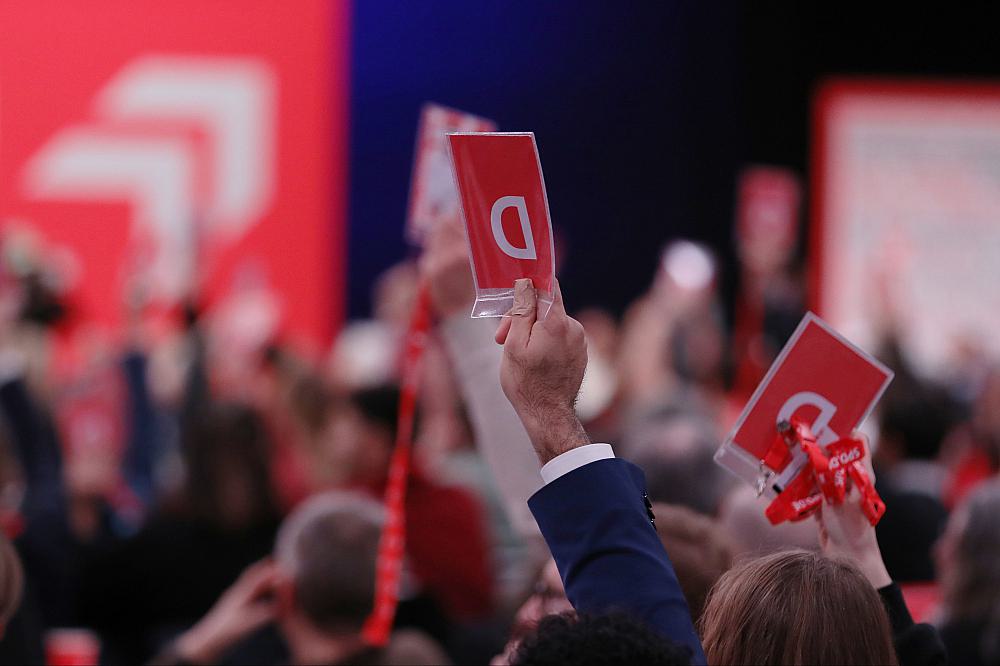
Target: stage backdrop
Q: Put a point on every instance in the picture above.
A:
(907, 215)
(180, 145)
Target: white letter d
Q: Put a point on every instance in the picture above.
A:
(499, 206)
(821, 426)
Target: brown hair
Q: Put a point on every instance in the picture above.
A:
(11, 581)
(796, 607)
(698, 548)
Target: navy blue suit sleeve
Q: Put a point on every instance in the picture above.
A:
(594, 521)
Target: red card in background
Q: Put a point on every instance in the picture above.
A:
(820, 377)
(499, 179)
(433, 195)
(767, 217)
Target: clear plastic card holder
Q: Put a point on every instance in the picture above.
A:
(507, 222)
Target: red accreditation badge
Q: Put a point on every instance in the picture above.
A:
(500, 183)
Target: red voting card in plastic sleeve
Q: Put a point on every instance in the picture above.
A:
(499, 178)
(818, 377)
(433, 196)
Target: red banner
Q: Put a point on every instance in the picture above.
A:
(188, 146)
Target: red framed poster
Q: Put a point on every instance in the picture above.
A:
(904, 209)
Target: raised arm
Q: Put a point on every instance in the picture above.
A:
(593, 510)
(845, 533)
(475, 359)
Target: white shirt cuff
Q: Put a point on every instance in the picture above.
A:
(565, 463)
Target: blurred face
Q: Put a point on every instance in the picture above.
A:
(235, 495)
(548, 598)
(353, 450)
(946, 549)
(986, 413)
(703, 350)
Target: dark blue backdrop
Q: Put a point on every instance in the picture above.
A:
(632, 105)
(643, 110)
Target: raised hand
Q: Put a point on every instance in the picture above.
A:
(445, 268)
(245, 607)
(542, 369)
(845, 533)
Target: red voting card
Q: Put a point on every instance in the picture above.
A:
(499, 179)
(819, 377)
(433, 196)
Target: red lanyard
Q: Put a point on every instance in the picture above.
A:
(820, 475)
(392, 545)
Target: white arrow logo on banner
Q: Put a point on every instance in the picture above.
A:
(231, 99)
(154, 175)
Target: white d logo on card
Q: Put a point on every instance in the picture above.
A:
(821, 426)
(496, 214)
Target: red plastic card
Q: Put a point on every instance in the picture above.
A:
(433, 196)
(819, 377)
(499, 179)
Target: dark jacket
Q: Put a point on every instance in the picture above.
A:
(596, 521)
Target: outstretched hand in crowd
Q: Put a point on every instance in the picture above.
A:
(248, 605)
(542, 369)
(846, 533)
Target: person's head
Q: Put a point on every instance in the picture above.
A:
(547, 597)
(795, 607)
(968, 556)
(394, 293)
(326, 551)
(613, 638)
(914, 422)
(741, 515)
(986, 414)
(698, 548)
(227, 455)
(11, 582)
(360, 435)
(675, 450)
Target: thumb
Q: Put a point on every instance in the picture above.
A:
(522, 316)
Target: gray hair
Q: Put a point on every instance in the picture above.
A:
(675, 450)
(328, 547)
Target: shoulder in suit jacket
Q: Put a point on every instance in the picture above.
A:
(596, 522)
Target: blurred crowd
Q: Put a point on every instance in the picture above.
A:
(179, 498)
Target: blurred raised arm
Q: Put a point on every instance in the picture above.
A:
(499, 434)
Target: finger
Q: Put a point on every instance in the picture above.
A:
(523, 314)
(257, 579)
(259, 614)
(503, 329)
(867, 461)
(557, 298)
(556, 320)
(452, 229)
(821, 527)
